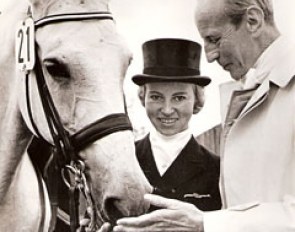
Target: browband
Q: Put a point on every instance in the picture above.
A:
(73, 17)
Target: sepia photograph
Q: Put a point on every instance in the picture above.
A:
(147, 116)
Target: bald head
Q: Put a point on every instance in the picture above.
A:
(202, 7)
(206, 9)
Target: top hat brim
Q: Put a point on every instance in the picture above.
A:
(142, 79)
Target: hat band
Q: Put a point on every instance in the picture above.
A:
(171, 71)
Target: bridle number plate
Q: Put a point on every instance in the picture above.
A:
(25, 45)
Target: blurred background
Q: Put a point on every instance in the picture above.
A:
(142, 20)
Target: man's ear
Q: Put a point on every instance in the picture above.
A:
(255, 19)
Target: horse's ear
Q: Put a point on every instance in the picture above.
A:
(35, 2)
(35, 5)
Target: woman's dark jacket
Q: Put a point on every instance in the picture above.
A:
(193, 176)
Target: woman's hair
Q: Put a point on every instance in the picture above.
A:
(198, 91)
(235, 10)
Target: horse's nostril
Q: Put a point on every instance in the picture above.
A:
(112, 209)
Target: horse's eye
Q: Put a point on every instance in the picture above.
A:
(56, 68)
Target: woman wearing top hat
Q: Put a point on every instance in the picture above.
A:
(171, 90)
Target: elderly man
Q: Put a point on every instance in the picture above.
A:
(258, 147)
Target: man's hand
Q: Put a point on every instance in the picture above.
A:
(174, 215)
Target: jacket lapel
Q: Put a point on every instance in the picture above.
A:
(148, 163)
(190, 162)
(226, 91)
(258, 97)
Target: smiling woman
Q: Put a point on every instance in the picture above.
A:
(170, 106)
(171, 91)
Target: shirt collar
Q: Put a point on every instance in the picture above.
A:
(155, 135)
(166, 148)
(276, 63)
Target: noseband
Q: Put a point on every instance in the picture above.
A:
(66, 146)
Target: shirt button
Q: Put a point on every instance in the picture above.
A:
(173, 190)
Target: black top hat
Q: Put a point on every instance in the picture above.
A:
(171, 60)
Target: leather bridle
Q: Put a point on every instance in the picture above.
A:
(66, 146)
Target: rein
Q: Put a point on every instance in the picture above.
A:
(66, 146)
